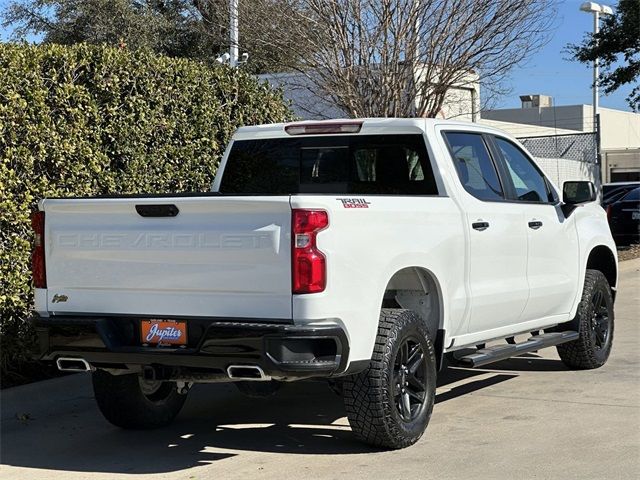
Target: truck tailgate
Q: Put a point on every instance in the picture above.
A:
(219, 256)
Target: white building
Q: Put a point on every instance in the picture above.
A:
(538, 117)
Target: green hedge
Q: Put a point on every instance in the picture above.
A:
(87, 120)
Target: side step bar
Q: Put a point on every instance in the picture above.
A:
(502, 352)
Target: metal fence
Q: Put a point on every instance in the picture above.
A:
(579, 146)
(560, 170)
(565, 157)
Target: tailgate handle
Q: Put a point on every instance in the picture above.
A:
(166, 210)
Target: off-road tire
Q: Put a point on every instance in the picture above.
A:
(123, 403)
(585, 353)
(370, 396)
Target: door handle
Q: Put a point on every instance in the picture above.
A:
(480, 226)
(536, 224)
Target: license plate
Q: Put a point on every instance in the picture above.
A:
(635, 215)
(163, 332)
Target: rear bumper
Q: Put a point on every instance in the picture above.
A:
(284, 351)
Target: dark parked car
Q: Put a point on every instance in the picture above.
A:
(612, 192)
(624, 218)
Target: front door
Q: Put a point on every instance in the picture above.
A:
(553, 258)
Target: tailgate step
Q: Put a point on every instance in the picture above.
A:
(502, 352)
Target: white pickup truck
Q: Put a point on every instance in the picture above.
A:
(369, 252)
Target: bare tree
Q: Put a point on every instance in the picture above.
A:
(366, 57)
(402, 57)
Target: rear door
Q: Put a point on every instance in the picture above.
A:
(496, 234)
(214, 256)
(553, 252)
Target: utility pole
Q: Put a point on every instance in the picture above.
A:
(233, 33)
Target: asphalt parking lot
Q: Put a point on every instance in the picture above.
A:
(525, 418)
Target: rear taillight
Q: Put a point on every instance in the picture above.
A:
(38, 269)
(609, 213)
(308, 264)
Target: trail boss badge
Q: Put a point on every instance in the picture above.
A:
(354, 202)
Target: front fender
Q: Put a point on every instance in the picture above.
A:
(593, 231)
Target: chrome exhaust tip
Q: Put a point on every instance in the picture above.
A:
(252, 373)
(71, 364)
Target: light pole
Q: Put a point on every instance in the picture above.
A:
(233, 32)
(231, 57)
(596, 9)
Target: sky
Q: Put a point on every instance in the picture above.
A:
(548, 71)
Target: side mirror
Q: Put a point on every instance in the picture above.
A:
(576, 193)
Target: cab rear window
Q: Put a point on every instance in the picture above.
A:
(368, 164)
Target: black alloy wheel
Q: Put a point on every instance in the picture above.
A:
(594, 321)
(409, 376)
(599, 321)
(389, 404)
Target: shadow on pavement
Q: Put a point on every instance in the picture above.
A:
(528, 363)
(216, 423)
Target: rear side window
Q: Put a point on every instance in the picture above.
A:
(475, 168)
(633, 195)
(611, 197)
(367, 164)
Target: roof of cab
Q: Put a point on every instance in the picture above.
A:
(369, 126)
